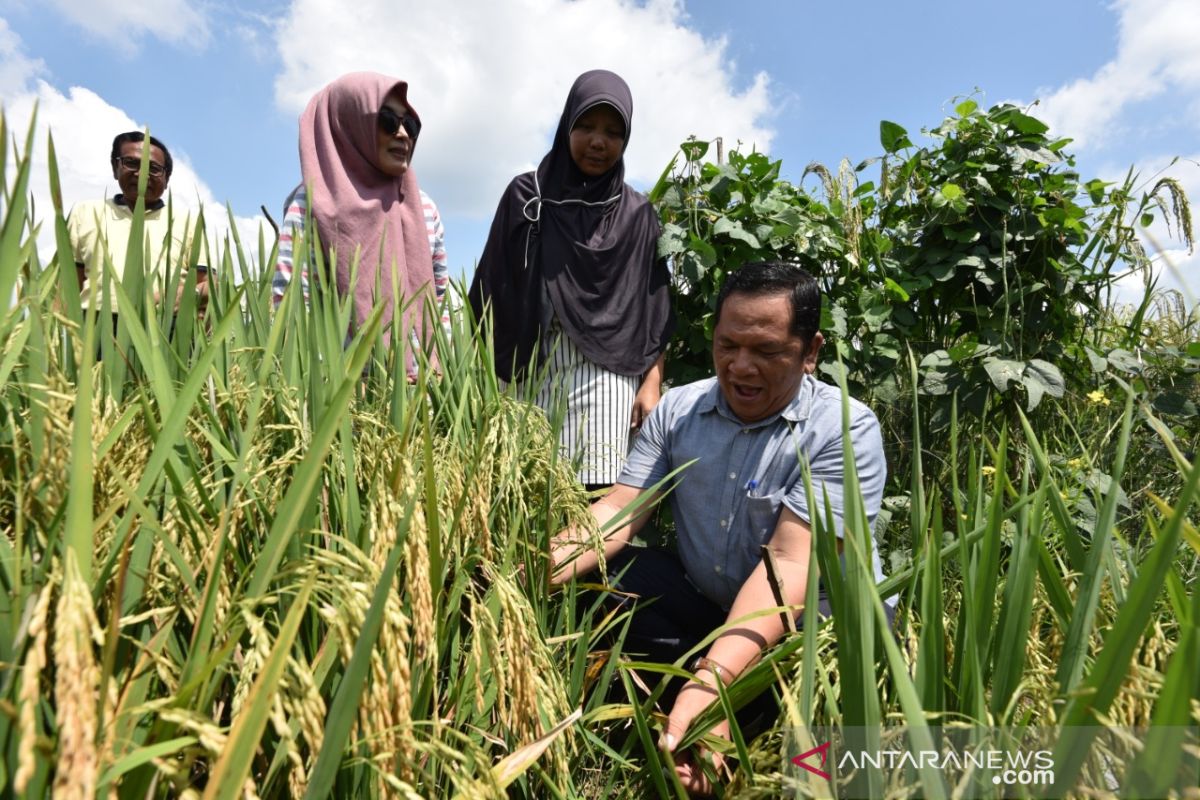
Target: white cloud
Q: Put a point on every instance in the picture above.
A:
(489, 78)
(1156, 54)
(1157, 64)
(82, 124)
(122, 23)
(16, 68)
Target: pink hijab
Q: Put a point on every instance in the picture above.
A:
(354, 204)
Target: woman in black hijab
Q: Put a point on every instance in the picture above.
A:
(572, 282)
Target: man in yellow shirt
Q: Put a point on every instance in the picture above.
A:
(100, 226)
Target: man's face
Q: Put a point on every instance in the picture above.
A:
(125, 170)
(759, 362)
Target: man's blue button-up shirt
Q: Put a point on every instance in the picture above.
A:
(727, 503)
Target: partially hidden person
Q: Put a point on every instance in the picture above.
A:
(745, 437)
(357, 139)
(570, 284)
(97, 228)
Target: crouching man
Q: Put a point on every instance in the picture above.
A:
(746, 432)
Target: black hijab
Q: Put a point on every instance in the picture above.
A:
(581, 250)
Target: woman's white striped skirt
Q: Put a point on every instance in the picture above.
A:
(595, 430)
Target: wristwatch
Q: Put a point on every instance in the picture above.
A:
(724, 675)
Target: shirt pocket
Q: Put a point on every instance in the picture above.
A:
(762, 515)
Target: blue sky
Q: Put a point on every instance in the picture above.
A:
(223, 84)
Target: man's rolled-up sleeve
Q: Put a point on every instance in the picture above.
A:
(649, 459)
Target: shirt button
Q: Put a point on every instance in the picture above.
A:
(717, 569)
(723, 523)
(732, 476)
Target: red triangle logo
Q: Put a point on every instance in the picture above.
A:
(823, 752)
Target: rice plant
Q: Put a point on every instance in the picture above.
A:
(243, 556)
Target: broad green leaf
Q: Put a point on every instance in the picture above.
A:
(734, 230)
(1003, 371)
(964, 350)
(951, 191)
(893, 137)
(896, 290)
(966, 108)
(673, 240)
(936, 360)
(706, 254)
(694, 150)
(1027, 124)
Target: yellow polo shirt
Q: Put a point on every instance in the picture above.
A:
(94, 225)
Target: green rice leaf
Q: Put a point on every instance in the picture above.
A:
(344, 708)
(232, 768)
(143, 755)
(305, 479)
(1088, 706)
(1070, 669)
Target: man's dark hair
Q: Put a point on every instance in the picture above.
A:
(778, 277)
(138, 136)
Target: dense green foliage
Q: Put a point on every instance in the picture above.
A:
(243, 556)
(982, 253)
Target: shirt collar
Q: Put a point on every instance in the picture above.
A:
(795, 411)
(119, 199)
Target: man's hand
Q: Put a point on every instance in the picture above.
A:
(571, 549)
(201, 292)
(201, 296)
(693, 699)
(742, 641)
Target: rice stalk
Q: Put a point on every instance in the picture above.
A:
(77, 680)
(31, 674)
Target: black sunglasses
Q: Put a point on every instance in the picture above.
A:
(390, 123)
(131, 164)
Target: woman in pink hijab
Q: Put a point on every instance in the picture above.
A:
(357, 137)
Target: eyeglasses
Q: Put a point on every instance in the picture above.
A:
(135, 165)
(390, 123)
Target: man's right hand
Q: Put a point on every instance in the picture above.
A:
(693, 699)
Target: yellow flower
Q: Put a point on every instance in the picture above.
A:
(988, 470)
(1097, 396)
(1075, 463)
